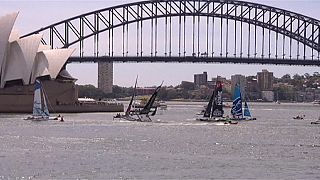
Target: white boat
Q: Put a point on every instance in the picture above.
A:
(316, 102)
(40, 108)
(238, 113)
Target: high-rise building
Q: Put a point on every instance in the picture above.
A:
(241, 81)
(105, 76)
(252, 88)
(265, 80)
(201, 79)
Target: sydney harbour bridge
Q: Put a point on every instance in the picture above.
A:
(207, 31)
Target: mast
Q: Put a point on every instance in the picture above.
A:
(207, 113)
(132, 98)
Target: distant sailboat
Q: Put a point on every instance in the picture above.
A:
(144, 114)
(128, 112)
(236, 111)
(316, 122)
(40, 108)
(214, 110)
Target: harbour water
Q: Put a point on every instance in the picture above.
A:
(175, 146)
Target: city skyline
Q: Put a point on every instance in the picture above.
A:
(149, 73)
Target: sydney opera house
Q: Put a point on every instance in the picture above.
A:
(23, 60)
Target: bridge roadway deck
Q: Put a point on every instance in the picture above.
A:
(192, 59)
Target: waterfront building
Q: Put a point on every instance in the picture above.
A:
(23, 60)
(265, 80)
(252, 88)
(201, 79)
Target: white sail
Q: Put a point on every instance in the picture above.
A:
(45, 111)
(37, 106)
(40, 107)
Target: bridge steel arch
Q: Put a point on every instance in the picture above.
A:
(296, 38)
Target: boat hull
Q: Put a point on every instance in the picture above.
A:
(40, 118)
(138, 118)
(315, 122)
(213, 119)
(243, 119)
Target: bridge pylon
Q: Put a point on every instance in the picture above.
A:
(105, 76)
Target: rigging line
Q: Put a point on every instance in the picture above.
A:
(138, 34)
(291, 38)
(263, 35)
(180, 30)
(170, 31)
(193, 30)
(221, 33)
(312, 52)
(207, 51)
(112, 35)
(156, 32)
(166, 32)
(152, 31)
(199, 28)
(305, 37)
(141, 32)
(48, 101)
(249, 35)
(319, 42)
(284, 38)
(270, 23)
(241, 39)
(227, 31)
(184, 30)
(213, 31)
(235, 33)
(123, 35)
(127, 49)
(255, 33)
(298, 44)
(277, 36)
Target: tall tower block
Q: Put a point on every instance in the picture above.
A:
(105, 76)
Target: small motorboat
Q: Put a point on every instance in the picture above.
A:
(299, 117)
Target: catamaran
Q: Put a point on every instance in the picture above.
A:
(236, 111)
(214, 110)
(128, 112)
(140, 115)
(316, 122)
(40, 108)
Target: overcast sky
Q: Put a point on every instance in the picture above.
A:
(39, 13)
